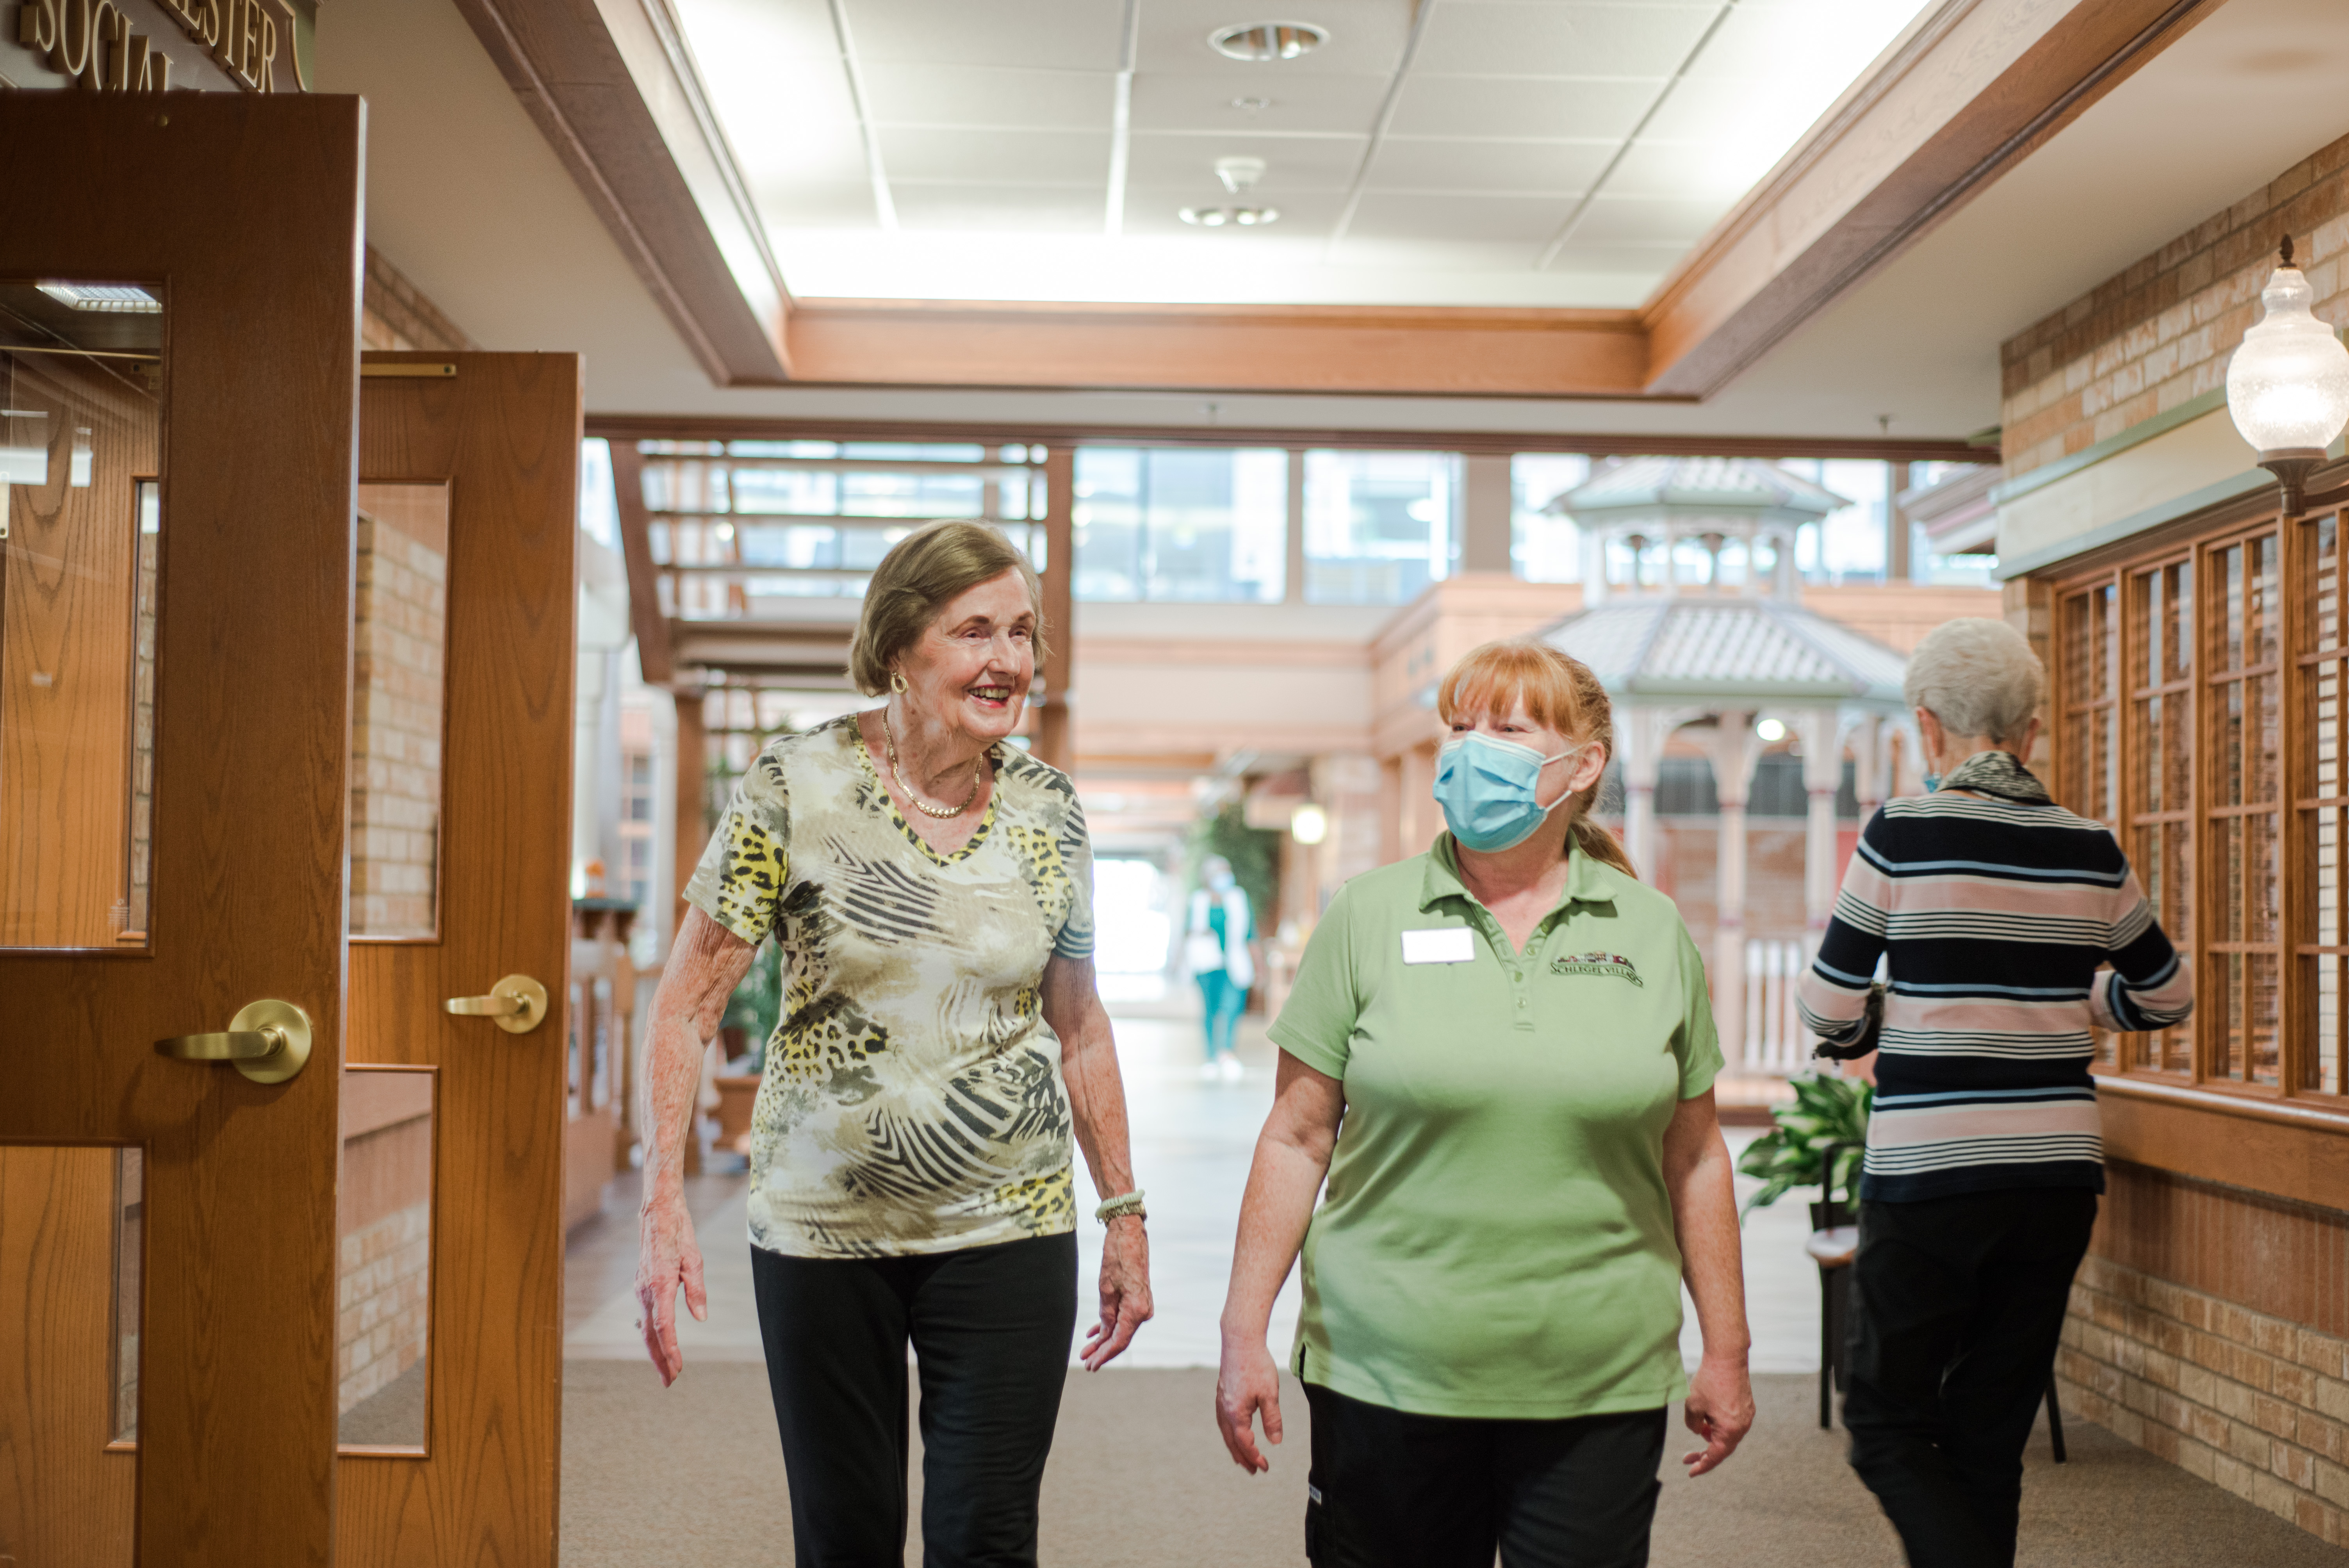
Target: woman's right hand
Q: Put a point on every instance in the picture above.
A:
(1248, 1384)
(667, 1258)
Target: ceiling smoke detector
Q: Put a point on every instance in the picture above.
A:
(1267, 40)
(1239, 174)
(1230, 217)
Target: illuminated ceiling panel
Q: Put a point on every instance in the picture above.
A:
(1496, 152)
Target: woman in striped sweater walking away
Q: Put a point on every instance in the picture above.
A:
(1995, 912)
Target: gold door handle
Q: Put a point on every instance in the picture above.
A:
(516, 1004)
(268, 1041)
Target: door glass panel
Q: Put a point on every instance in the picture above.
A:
(67, 1486)
(399, 674)
(80, 524)
(384, 1224)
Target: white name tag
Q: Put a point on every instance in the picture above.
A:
(1450, 945)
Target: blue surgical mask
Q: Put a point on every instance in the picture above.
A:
(1490, 790)
(1932, 782)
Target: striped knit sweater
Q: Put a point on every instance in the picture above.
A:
(1993, 909)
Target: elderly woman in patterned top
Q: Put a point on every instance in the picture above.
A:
(941, 1039)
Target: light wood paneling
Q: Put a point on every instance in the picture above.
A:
(2286, 1258)
(697, 428)
(1423, 351)
(68, 606)
(503, 432)
(63, 1498)
(249, 209)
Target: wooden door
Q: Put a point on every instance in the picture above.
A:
(178, 337)
(468, 480)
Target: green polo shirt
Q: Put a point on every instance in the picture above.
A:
(1496, 1240)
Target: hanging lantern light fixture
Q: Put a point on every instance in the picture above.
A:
(2288, 387)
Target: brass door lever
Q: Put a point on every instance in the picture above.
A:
(516, 1004)
(268, 1041)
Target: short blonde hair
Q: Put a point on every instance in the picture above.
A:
(1558, 691)
(1977, 676)
(922, 573)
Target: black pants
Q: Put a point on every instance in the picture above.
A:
(1391, 1489)
(990, 1326)
(1957, 1305)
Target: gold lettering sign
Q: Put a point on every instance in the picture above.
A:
(93, 44)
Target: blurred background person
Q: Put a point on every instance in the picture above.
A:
(1992, 909)
(1215, 951)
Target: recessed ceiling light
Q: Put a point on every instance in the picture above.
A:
(1231, 217)
(107, 299)
(1267, 40)
(1251, 105)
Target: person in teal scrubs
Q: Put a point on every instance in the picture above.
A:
(1216, 951)
(1500, 1053)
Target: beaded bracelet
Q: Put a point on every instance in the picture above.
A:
(1123, 1204)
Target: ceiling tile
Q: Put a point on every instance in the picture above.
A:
(836, 205)
(1698, 172)
(1056, 34)
(1617, 220)
(1005, 157)
(1203, 101)
(1293, 163)
(1527, 219)
(1484, 38)
(1557, 168)
(1549, 110)
(991, 96)
(1434, 255)
(970, 207)
(1366, 37)
(1648, 261)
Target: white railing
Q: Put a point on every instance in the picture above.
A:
(1775, 1041)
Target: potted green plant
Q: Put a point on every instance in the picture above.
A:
(1826, 1112)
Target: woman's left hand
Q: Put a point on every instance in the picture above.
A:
(1719, 1410)
(1125, 1292)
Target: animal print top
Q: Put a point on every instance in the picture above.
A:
(913, 1101)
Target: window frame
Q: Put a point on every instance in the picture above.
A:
(2293, 805)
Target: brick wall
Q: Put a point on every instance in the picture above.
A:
(382, 1301)
(2258, 1405)
(2211, 1326)
(2161, 333)
(400, 637)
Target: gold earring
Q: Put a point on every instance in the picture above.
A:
(897, 682)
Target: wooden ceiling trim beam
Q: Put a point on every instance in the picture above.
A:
(1965, 97)
(1444, 351)
(613, 88)
(654, 655)
(621, 429)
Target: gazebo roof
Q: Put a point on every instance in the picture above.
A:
(1694, 488)
(1702, 649)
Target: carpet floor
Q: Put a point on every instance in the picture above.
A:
(692, 1476)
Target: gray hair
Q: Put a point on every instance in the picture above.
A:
(1977, 676)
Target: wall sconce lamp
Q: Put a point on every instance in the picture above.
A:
(2288, 387)
(1308, 824)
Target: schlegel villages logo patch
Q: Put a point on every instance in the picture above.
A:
(1613, 963)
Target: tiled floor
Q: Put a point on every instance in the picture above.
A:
(1192, 1144)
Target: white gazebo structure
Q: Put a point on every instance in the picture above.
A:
(1694, 621)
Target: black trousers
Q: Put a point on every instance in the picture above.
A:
(1393, 1489)
(1957, 1305)
(991, 1328)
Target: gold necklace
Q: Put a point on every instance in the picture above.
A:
(921, 805)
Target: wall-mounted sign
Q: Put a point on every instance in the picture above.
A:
(117, 46)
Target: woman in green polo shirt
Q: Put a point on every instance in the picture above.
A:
(1501, 1054)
